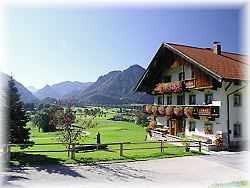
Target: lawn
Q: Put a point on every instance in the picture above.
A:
(110, 131)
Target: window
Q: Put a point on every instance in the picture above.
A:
(237, 83)
(237, 130)
(169, 100)
(192, 99)
(180, 76)
(192, 126)
(208, 98)
(208, 128)
(192, 74)
(160, 100)
(167, 79)
(237, 100)
(180, 100)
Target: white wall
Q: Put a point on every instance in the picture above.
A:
(220, 124)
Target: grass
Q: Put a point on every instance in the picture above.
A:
(231, 184)
(110, 131)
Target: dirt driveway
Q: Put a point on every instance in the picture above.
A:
(199, 171)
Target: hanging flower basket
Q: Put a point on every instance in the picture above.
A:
(188, 112)
(154, 109)
(148, 109)
(169, 111)
(178, 110)
(161, 110)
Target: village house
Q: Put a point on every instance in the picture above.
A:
(198, 92)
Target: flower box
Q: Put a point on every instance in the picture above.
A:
(169, 111)
(178, 110)
(161, 110)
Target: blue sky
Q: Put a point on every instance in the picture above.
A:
(47, 45)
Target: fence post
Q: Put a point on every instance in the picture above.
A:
(73, 151)
(199, 146)
(162, 146)
(121, 149)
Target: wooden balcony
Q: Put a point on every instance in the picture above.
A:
(180, 86)
(189, 84)
(198, 111)
(207, 111)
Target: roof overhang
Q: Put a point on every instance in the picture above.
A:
(179, 53)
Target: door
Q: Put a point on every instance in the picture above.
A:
(176, 126)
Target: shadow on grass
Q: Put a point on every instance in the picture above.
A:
(21, 163)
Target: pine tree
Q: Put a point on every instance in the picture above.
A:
(17, 120)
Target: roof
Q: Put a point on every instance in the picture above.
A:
(226, 65)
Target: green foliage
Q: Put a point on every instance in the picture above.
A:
(18, 132)
(43, 120)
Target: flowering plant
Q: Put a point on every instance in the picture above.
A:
(154, 109)
(169, 111)
(178, 110)
(218, 141)
(168, 87)
(151, 126)
(148, 108)
(208, 130)
(188, 111)
(161, 110)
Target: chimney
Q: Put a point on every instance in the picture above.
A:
(216, 48)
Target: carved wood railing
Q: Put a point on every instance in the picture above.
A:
(197, 111)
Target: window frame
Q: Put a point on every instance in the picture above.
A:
(240, 100)
(169, 97)
(190, 126)
(182, 101)
(240, 131)
(206, 95)
(192, 95)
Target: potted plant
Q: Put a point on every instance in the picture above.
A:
(188, 111)
(151, 126)
(148, 108)
(178, 110)
(185, 142)
(218, 141)
(154, 109)
(169, 111)
(161, 110)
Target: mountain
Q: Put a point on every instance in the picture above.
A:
(116, 87)
(47, 91)
(32, 89)
(26, 95)
(68, 88)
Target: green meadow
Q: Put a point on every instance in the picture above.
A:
(110, 131)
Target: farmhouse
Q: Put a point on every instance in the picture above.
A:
(199, 92)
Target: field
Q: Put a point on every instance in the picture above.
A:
(110, 131)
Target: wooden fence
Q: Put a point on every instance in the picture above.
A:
(6, 149)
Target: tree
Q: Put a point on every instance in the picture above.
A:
(17, 120)
(70, 132)
(43, 120)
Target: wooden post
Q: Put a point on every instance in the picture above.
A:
(73, 151)
(162, 146)
(199, 146)
(121, 149)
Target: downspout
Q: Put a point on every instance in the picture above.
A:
(228, 122)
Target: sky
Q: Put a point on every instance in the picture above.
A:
(51, 44)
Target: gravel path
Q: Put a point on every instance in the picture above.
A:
(199, 171)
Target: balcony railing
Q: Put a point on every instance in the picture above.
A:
(179, 86)
(189, 84)
(184, 111)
